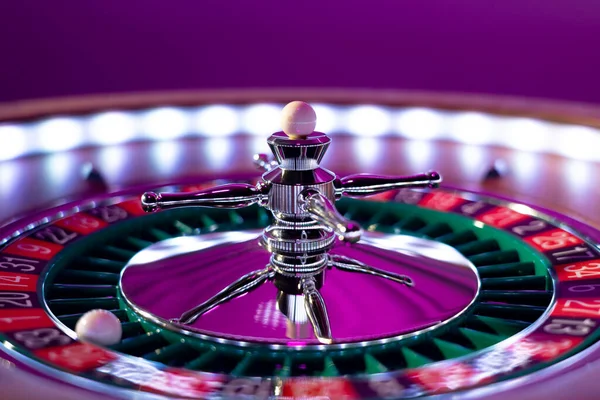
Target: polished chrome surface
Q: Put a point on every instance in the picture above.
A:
(360, 185)
(299, 154)
(171, 277)
(234, 195)
(299, 266)
(284, 199)
(316, 311)
(323, 211)
(315, 239)
(312, 177)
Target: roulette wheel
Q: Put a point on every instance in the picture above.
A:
(302, 283)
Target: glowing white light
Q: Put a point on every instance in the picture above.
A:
(327, 118)
(419, 123)
(368, 121)
(525, 166)
(166, 156)
(367, 151)
(12, 176)
(217, 152)
(472, 159)
(578, 174)
(165, 123)
(419, 154)
(471, 128)
(578, 142)
(259, 145)
(217, 120)
(262, 119)
(112, 128)
(524, 134)
(112, 162)
(59, 134)
(61, 168)
(13, 141)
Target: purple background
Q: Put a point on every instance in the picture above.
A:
(543, 48)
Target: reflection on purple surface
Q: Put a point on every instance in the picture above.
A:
(174, 276)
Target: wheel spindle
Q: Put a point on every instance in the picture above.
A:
(301, 196)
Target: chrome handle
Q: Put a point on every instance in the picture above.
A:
(365, 184)
(316, 311)
(322, 210)
(236, 195)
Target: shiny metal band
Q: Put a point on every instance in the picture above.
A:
(299, 164)
(284, 199)
(294, 270)
(297, 246)
(299, 224)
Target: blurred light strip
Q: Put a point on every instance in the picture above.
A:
(364, 120)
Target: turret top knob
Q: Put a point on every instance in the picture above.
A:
(298, 120)
(298, 147)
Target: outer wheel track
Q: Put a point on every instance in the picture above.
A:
(512, 297)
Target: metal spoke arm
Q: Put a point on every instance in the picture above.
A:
(322, 210)
(365, 184)
(235, 195)
(350, 265)
(245, 284)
